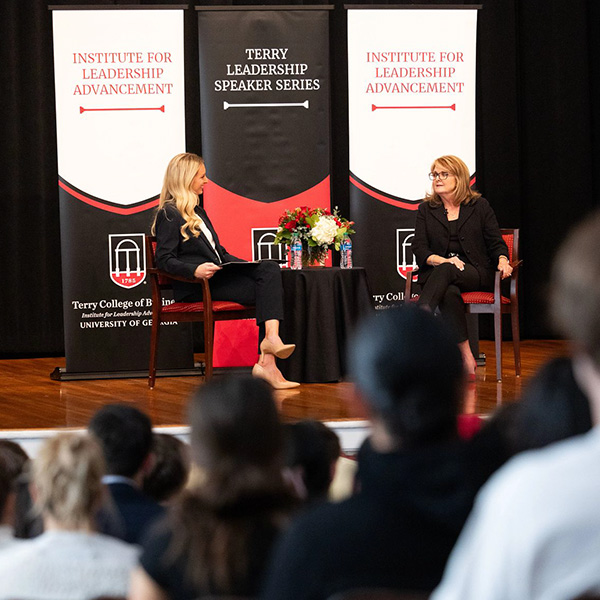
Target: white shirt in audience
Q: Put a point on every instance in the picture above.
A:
(534, 533)
(7, 537)
(66, 565)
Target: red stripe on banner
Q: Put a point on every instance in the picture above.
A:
(235, 216)
(382, 198)
(113, 209)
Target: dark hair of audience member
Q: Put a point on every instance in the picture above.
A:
(552, 408)
(408, 369)
(313, 449)
(237, 443)
(125, 434)
(6, 485)
(16, 462)
(170, 468)
(14, 457)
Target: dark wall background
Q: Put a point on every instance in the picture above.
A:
(538, 143)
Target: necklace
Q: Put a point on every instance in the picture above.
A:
(452, 213)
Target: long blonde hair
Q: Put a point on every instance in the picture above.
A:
(463, 192)
(177, 190)
(67, 474)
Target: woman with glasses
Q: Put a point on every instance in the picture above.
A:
(458, 247)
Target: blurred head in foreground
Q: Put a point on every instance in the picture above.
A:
(408, 371)
(67, 479)
(311, 454)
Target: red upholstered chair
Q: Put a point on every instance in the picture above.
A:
(495, 303)
(207, 311)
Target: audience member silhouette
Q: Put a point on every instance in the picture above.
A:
(14, 503)
(218, 536)
(552, 408)
(413, 493)
(170, 468)
(311, 453)
(69, 560)
(7, 501)
(535, 530)
(125, 435)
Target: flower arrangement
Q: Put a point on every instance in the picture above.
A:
(317, 229)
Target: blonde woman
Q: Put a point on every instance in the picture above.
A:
(188, 246)
(69, 560)
(458, 246)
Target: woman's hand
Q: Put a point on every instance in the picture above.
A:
(459, 264)
(504, 267)
(206, 270)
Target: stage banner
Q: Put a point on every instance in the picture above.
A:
(411, 95)
(119, 78)
(264, 91)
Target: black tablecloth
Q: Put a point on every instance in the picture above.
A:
(322, 306)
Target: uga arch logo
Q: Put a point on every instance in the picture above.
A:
(263, 247)
(127, 260)
(405, 259)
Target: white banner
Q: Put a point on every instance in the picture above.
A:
(120, 117)
(119, 100)
(411, 95)
(411, 80)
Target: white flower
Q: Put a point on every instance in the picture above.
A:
(324, 231)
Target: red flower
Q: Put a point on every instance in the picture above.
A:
(291, 225)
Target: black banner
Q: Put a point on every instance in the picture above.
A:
(264, 85)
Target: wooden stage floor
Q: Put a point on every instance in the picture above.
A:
(29, 399)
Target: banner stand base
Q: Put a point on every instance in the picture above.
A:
(61, 374)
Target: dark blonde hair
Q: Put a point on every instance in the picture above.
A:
(177, 191)
(463, 191)
(67, 473)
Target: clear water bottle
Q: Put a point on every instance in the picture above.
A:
(346, 252)
(296, 253)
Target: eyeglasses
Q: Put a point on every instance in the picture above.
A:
(435, 175)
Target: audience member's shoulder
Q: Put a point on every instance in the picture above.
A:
(541, 471)
(562, 454)
(318, 522)
(112, 544)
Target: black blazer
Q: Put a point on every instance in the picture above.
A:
(178, 256)
(478, 234)
(128, 514)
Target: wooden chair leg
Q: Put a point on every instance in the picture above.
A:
(153, 351)
(498, 341)
(514, 321)
(209, 335)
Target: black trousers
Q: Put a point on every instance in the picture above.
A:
(442, 289)
(257, 284)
